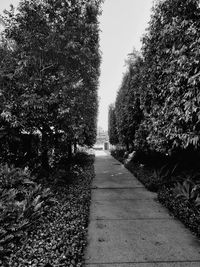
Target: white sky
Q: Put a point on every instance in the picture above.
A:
(123, 23)
(4, 4)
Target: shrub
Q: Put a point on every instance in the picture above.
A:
(22, 202)
(83, 158)
(188, 191)
(183, 210)
(11, 177)
(119, 154)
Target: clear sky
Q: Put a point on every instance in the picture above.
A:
(123, 23)
(4, 4)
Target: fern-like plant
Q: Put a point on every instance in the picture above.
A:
(189, 192)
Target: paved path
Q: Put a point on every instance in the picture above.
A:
(128, 227)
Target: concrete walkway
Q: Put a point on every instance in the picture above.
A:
(128, 227)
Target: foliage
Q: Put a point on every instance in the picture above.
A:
(188, 191)
(49, 79)
(171, 64)
(118, 154)
(22, 202)
(11, 177)
(183, 210)
(59, 237)
(112, 126)
(82, 158)
(157, 106)
(127, 106)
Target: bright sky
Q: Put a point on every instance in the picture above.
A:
(4, 4)
(122, 24)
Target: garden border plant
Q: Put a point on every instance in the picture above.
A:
(60, 214)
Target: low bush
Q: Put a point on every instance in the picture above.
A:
(181, 208)
(22, 202)
(48, 235)
(66, 171)
(119, 154)
(11, 177)
(83, 158)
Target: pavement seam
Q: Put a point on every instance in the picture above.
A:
(126, 199)
(115, 199)
(96, 188)
(135, 219)
(125, 188)
(142, 262)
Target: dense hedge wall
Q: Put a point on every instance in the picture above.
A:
(157, 106)
(49, 61)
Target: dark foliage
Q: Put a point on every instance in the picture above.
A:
(112, 126)
(49, 231)
(50, 63)
(119, 154)
(188, 213)
(157, 105)
(22, 203)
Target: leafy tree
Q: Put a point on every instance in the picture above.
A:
(54, 77)
(170, 50)
(128, 111)
(157, 106)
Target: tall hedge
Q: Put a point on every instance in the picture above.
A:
(171, 56)
(167, 84)
(127, 106)
(49, 76)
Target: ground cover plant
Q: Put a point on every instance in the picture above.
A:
(45, 224)
(183, 202)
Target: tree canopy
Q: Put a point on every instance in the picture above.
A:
(158, 102)
(49, 79)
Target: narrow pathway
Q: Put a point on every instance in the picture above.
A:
(128, 227)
